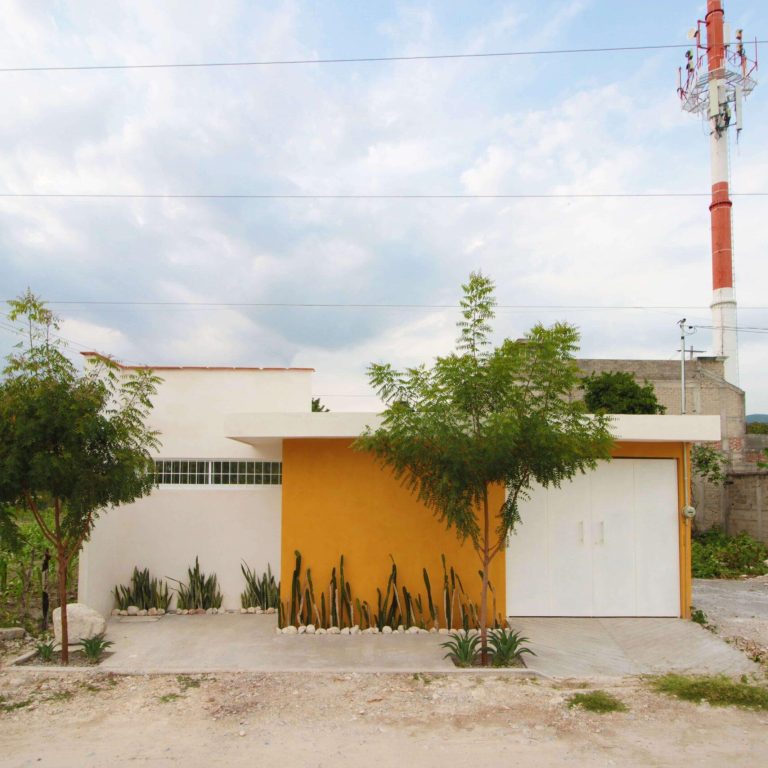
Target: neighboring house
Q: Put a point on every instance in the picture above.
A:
(247, 472)
(742, 503)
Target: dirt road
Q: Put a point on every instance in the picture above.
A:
(364, 719)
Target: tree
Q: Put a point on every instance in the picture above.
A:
(318, 407)
(482, 416)
(619, 392)
(71, 443)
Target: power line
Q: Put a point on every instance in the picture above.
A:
(350, 60)
(346, 305)
(363, 196)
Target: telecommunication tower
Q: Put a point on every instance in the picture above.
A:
(717, 77)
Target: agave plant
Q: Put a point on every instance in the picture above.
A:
(507, 647)
(463, 647)
(94, 647)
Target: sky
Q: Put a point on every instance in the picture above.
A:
(594, 123)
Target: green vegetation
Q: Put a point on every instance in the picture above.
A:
(718, 556)
(144, 592)
(11, 706)
(597, 701)
(94, 647)
(318, 407)
(260, 591)
(717, 691)
(709, 463)
(757, 428)
(507, 647)
(484, 416)
(463, 648)
(396, 605)
(46, 649)
(699, 617)
(186, 682)
(72, 444)
(169, 697)
(201, 592)
(619, 392)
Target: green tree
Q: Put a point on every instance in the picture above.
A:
(619, 392)
(757, 427)
(483, 416)
(71, 443)
(318, 407)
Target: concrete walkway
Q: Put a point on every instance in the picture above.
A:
(616, 647)
(564, 647)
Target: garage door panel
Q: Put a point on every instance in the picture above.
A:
(568, 531)
(613, 535)
(657, 539)
(529, 544)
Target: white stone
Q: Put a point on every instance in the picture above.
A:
(290, 630)
(310, 629)
(433, 630)
(115, 612)
(401, 628)
(83, 623)
(355, 630)
(413, 630)
(334, 631)
(386, 631)
(443, 631)
(243, 610)
(209, 611)
(302, 629)
(123, 613)
(251, 609)
(152, 612)
(344, 631)
(278, 630)
(259, 609)
(321, 631)
(133, 610)
(375, 630)
(161, 611)
(142, 612)
(184, 611)
(271, 610)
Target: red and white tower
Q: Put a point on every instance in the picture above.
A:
(717, 91)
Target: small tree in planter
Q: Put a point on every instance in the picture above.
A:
(483, 416)
(71, 442)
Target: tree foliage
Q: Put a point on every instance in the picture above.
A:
(619, 392)
(709, 463)
(71, 442)
(484, 416)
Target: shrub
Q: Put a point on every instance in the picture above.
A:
(94, 647)
(463, 648)
(143, 592)
(200, 592)
(716, 555)
(46, 649)
(717, 691)
(507, 647)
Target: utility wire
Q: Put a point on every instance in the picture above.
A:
(364, 196)
(350, 60)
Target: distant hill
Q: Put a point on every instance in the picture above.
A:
(759, 417)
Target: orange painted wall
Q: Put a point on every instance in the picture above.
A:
(340, 501)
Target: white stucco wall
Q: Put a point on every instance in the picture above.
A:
(221, 525)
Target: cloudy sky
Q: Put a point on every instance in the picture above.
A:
(598, 123)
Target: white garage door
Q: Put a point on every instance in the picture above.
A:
(604, 544)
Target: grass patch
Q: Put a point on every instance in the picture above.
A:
(169, 697)
(4, 707)
(718, 556)
(717, 691)
(60, 696)
(597, 701)
(186, 682)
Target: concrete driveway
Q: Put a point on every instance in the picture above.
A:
(564, 647)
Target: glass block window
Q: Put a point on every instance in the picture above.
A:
(217, 472)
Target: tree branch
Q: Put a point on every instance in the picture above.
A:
(38, 517)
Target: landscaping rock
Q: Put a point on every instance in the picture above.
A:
(310, 629)
(11, 633)
(184, 611)
(344, 631)
(333, 631)
(271, 610)
(142, 612)
(433, 630)
(251, 610)
(259, 610)
(355, 630)
(320, 631)
(302, 629)
(290, 630)
(278, 630)
(386, 631)
(152, 612)
(401, 628)
(161, 611)
(210, 611)
(123, 613)
(83, 622)
(243, 610)
(133, 610)
(413, 630)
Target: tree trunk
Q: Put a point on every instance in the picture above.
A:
(62, 573)
(484, 594)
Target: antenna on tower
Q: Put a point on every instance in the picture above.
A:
(718, 77)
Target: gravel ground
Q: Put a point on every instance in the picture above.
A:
(93, 719)
(737, 610)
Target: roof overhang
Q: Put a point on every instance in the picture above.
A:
(254, 428)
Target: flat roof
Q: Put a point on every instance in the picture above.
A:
(252, 427)
(188, 367)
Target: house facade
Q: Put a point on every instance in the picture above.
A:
(247, 473)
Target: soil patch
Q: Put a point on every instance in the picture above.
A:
(76, 659)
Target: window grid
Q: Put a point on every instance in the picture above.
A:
(217, 472)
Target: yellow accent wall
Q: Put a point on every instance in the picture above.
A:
(340, 501)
